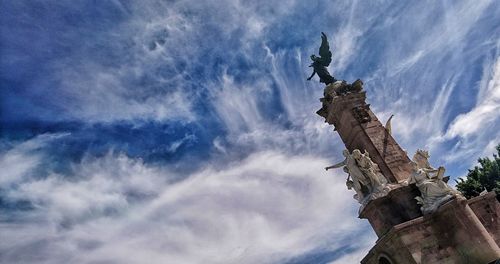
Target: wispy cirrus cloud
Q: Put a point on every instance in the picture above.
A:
(485, 112)
(480, 125)
(219, 88)
(256, 210)
(18, 161)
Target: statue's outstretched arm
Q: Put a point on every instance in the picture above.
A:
(338, 165)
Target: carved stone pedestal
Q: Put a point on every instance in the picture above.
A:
(453, 234)
(397, 207)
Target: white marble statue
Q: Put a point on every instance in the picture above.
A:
(358, 178)
(434, 191)
(367, 180)
(370, 169)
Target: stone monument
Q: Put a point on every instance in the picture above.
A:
(416, 215)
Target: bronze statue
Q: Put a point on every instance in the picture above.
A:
(320, 63)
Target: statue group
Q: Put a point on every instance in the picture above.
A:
(365, 178)
(431, 183)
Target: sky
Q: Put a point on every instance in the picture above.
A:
(185, 131)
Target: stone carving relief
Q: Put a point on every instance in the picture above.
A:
(361, 113)
(430, 181)
(335, 89)
(340, 88)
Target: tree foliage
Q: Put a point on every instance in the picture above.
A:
(485, 176)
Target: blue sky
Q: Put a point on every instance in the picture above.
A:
(185, 131)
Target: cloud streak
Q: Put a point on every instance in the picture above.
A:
(256, 210)
(155, 87)
(485, 112)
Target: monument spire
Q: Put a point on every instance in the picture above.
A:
(416, 215)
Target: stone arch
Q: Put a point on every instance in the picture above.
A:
(384, 259)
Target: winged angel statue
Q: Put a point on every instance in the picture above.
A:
(320, 63)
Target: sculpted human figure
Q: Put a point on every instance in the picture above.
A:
(358, 178)
(430, 183)
(370, 169)
(319, 64)
(421, 158)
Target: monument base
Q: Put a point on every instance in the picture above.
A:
(452, 234)
(398, 206)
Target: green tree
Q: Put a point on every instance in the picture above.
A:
(485, 176)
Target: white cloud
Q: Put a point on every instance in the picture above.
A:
(476, 132)
(237, 105)
(273, 205)
(345, 40)
(266, 208)
(486, 111)
(102, 94)
(172, 148)
(161, 59)
(18, 161)
(357, 255)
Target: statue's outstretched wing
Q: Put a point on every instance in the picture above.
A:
(324, 51)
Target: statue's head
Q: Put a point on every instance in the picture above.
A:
(421, 158)
(422, 153)
(356, 154)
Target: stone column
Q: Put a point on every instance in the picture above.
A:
(360, 129)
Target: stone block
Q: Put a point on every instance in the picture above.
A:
(487, 209)
(452, 234)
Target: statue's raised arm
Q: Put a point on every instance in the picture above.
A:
(319, 64)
